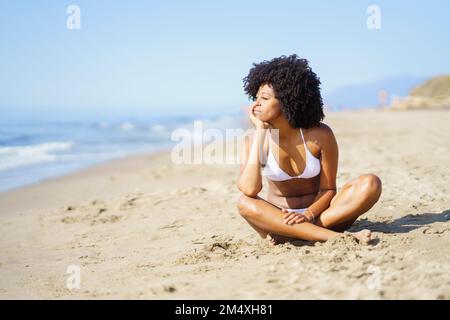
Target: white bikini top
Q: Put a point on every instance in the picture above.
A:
(273, 171)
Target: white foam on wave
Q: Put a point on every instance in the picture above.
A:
(18, 156)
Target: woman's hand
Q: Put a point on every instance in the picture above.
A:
(255, 121)
(297, 217)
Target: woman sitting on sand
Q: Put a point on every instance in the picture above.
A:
(298, 154)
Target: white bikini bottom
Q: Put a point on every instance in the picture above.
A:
(296, 210)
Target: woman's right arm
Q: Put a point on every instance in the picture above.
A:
(250, 180)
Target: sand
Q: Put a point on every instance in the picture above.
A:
(144, 228)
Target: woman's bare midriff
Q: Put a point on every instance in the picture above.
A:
(293, 194)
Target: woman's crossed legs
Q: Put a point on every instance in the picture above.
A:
(355, 198)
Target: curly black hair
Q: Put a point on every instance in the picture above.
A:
(296, 86)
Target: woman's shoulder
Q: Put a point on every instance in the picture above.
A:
(321, 134)
(321, 131)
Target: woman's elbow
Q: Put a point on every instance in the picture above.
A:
(251, 192)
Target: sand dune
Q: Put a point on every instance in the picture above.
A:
(144, 228)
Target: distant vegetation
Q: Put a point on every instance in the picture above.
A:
(432, 94)
(437, 87)
(367, 94)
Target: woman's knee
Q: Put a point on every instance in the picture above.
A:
(246, 206)
(370, 185)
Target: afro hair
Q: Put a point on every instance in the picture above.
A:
(296, 86)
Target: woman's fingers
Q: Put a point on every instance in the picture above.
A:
(286, 213)
(288, 216)
(301, 219)
(288, 220)
(298, 219)
(291, 218)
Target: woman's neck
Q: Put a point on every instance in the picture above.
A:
(285, 131)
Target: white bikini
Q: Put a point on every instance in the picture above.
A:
(272, 170)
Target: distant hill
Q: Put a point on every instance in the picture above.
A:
(437, 87)
(432, 94)
(368, 94)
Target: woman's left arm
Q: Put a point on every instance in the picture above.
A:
(329, 164)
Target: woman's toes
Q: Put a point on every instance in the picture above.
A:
(271, 239)
(363, 236)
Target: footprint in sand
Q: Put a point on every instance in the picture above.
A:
(94, 258)
(134, 201)
(160, 232)
(175, 224)
(221, 248)
(435, 229)
(94, 213)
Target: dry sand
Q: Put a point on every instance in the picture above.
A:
(142, 227)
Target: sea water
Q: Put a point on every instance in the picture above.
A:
(42, 146)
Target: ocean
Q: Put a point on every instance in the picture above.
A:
(41, 146)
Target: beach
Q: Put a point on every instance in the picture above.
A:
(142, 227)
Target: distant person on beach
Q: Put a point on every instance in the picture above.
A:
(298, 155)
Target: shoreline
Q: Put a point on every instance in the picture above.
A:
(98, 170)
(94, 166)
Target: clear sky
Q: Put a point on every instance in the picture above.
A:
(177, 55)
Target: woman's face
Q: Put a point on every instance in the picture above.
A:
(267, 107)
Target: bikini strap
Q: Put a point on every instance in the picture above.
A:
(304, 142)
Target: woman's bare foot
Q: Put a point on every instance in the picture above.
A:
(364, 236)
(278, 239)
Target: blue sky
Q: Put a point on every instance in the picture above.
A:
(170, 56)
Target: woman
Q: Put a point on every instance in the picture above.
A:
(298, 154)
